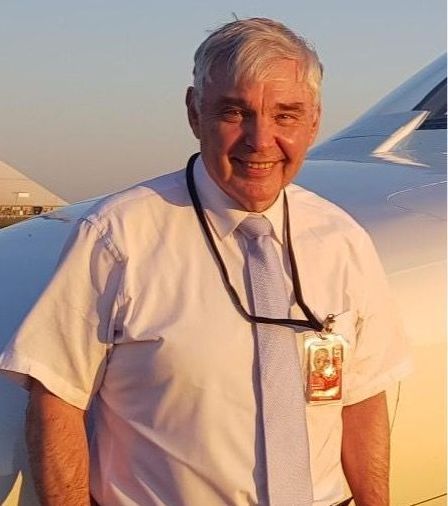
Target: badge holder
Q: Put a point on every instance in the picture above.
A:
(324, 355)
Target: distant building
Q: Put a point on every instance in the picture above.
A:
(22, 198)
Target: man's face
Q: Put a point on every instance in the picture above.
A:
(321, 360)
(254, 135)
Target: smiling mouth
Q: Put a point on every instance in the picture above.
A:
(256, 166)
(260, 165)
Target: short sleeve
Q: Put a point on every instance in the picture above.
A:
(381, 355)
(64, 339)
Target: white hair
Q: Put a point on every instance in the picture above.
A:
(247, 49)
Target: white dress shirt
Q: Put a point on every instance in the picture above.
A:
(137, 320)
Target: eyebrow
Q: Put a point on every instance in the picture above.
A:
(232, 101)
(238, 102)
(294, 106)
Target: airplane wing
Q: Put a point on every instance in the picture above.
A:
(388, 171)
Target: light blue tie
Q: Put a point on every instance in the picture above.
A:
(282, 393)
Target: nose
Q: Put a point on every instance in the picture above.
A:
(259, 134)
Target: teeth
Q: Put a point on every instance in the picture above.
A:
(263, 165)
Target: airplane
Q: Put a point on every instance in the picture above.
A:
(388, 170)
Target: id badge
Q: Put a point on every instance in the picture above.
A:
(324, 355)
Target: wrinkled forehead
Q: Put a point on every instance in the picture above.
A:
(284, 76)
(236, 72)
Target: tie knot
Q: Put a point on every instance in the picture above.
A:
(255, 226)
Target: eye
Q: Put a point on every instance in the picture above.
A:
(287, 118)
(232, 115)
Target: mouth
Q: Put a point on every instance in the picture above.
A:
(259, 165)
(255, 168)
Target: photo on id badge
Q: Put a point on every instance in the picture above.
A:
(324, 358)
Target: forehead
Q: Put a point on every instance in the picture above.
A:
(282, 80)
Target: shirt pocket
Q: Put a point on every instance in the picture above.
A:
(345, 326)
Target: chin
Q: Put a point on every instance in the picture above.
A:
(257, 203)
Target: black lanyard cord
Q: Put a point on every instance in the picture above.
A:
(312, 322)
(295, 273)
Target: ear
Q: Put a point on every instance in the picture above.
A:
(316, 123)
(193, 114)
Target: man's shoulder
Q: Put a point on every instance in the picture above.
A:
(133, 203)
(318, 210)
(140, 214)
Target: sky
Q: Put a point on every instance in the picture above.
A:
(92, 91)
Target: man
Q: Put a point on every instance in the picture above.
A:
(150, 321)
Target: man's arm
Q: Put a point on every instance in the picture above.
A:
(57, 448)
(366, 450)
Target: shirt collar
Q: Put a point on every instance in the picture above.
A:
(224, 213)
